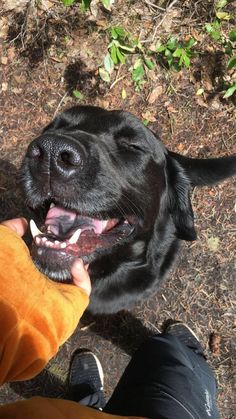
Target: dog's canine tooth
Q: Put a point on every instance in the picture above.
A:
(52, 205)
(75, 236)
(34, 229)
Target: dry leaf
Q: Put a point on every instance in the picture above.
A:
(16, 5)
(214, 343)
(11, 53)
(213, 243)
(200, 101)
(4, 87)
(155, 94)
(147, 115)
(3, 27)
(45, 5)
(180, 146)
(4, 60)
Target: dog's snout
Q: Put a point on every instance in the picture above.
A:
(55, 155)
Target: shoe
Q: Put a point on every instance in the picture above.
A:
(185, 334)
(85, 379)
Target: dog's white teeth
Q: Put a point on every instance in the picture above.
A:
(75, 236)
(63, 245)
(34, 229)
(52, 205)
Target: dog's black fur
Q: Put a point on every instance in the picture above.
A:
(114, 166)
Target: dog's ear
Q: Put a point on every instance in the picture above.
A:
(179, 200)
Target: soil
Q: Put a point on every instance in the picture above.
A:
(47, 51)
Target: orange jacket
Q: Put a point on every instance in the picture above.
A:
(36, 317)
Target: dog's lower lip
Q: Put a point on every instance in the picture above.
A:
(82, 241)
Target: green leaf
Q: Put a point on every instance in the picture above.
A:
(68, 2)
(114, 54)
(172, 43)
(149, 63)
(186, 61)
(221, 3)
(120, 56)
(85, 4)
(78, 94)
(108, 63)
(138, 72)
(105, 76)
(232, 62)
(232, 35)
(161, 48)
(118, 32)
(106, 4)
(114, 34)
(190, 43)
(230, 91)
(178, 52)
(223, 15)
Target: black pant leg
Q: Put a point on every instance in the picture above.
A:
(165, 380)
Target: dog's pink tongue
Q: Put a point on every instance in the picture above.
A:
(60, 219)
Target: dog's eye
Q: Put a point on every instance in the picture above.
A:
(132, 145)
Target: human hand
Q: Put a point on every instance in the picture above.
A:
(79, 271)
(47, 312)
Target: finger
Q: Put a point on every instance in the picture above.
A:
(80, 276)
(19, 225)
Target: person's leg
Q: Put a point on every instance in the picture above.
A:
(85, 380)
(167, 378)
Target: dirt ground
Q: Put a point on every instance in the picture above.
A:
(46, 52)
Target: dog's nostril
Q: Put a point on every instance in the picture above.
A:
(70, 158)
(35, 152)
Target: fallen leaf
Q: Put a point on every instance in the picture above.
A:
(3, 27)
(155, 94)
(214, 343)
(213, 243)
(200, 101)
(147, 115)
(16, 5)
(4, 86)
(4, 60)
(200, 91)
(180, 146)
(45, 5)
(17, 90)
(11, 53)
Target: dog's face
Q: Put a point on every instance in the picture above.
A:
(97, 178)
(104, 188)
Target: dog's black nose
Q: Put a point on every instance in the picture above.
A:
(56, 156)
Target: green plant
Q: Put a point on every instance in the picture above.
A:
(122, 45)
(78, 94)
(85, 4)
(176, 54)
(230, 90)
(228, 43)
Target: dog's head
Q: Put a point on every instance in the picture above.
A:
(98, 180)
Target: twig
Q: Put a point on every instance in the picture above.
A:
(117, 81)
(162, 20)
(155, 6)
(59, 105)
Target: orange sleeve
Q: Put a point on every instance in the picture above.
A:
(39, 407)
(36, 314)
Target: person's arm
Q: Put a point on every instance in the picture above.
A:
(36, 315)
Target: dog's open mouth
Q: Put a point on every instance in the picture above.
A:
(67, 232)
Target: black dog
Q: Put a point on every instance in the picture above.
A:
(109, 191)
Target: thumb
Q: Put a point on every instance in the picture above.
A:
(19, 225)
(80, 276)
